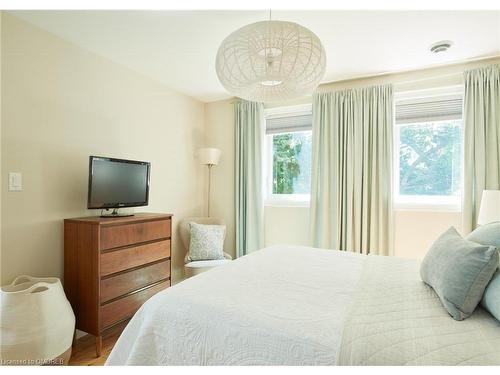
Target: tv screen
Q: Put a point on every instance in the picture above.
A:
(117, 183)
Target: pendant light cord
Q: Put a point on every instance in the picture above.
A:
(270, 14)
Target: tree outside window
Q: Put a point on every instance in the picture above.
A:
(430, 158)
(291, 163)
(428, 148)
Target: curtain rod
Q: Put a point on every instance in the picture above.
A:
(387, 80)
(401, 83)
(388, 75)
(396, 83)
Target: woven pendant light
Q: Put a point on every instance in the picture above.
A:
(271, 61)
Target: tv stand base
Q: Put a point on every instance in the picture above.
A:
(115, 213)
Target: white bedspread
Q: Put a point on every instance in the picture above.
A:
(282, 305)
(288, 305)
(396, 319)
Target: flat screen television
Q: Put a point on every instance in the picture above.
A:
(115, 183)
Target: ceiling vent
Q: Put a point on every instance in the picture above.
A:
(441, 46)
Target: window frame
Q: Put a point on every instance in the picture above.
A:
(446, 203)
(281, 200)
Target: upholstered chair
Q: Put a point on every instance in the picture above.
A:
(192, 268)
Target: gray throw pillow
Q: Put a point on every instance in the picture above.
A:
(489, 234)
(207, 242)
(458, 270)
(491, 298)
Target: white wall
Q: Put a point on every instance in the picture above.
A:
(61, 104)
(414, 230)
(286, 225)
(1, 122)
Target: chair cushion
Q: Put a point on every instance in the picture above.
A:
(206, 242)
(207, 263)
(459, 270)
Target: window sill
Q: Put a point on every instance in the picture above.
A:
(426, 207)
(436, 203)
(290, 201)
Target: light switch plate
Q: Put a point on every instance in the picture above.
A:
(15, 181)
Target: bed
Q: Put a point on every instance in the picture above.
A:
(288, 305)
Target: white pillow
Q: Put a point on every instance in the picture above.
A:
(207, 242)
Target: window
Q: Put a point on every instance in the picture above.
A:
(428, 152)
(288, 156)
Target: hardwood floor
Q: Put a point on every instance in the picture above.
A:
(84, 352)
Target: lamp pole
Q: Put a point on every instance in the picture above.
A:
(209, 183)
(209, 156)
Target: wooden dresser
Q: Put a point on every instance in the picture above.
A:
(113, 265)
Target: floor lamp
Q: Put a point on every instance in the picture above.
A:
(209, 157)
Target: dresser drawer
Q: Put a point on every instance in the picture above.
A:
(123, 283)
(126, 307)
(130, 257)
(123, 235)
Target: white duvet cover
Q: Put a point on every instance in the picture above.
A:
(288, 305)
(282, 305)
(396, 319)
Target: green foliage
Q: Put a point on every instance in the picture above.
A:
(286, 167)
(430, 158)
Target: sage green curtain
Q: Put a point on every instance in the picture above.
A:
(249, 138)
(351, 192)
(481, 139)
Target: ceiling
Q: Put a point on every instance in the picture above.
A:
(178, 48)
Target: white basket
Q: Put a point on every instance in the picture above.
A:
(37, 323)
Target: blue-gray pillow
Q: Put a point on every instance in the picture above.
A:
(491, 298)
(459, 270)
(206, 242)
(489, 234)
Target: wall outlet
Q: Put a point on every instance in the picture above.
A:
(15, 181)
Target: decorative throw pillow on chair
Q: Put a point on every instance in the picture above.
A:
(207, 242)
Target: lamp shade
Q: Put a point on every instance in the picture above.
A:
(271, 61)
(490, 207)
(209, 156)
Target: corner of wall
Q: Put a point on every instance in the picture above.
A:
(1, 140)
(219, 129)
